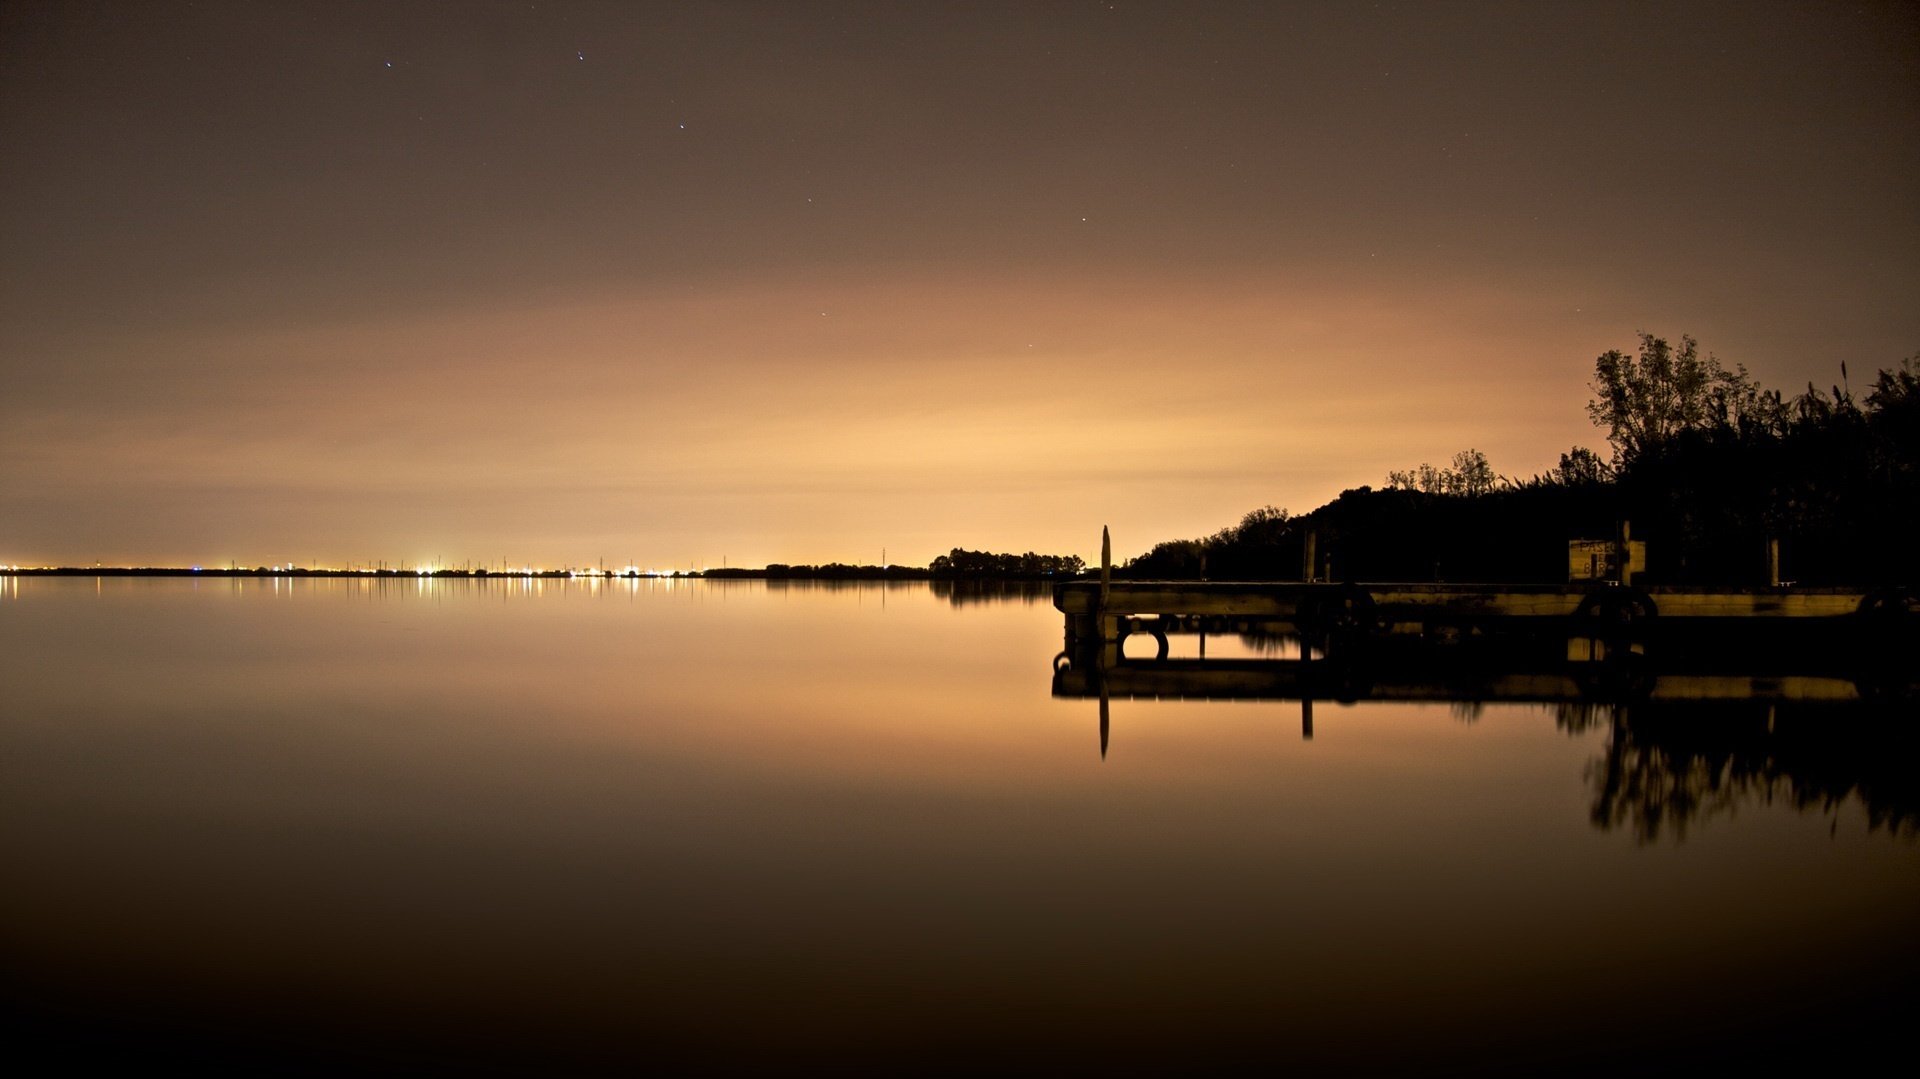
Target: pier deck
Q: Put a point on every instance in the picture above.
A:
(1283, 599)
(1110, 611)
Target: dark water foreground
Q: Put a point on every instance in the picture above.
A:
(549, 828)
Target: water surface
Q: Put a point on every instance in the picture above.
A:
(562, 826)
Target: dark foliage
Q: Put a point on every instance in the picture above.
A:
(1833, 481)
(964, 563)
(1707, 468)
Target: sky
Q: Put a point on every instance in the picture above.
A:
(671, 285)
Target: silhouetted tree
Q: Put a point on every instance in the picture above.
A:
(960, 562)
(1470, 475)
(1581, 467)
(1649, 399)
(1707, 466)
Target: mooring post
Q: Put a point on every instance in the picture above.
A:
(1106, 569)
(1107, 626)
(1626, 552)
(1307, 556)
(1106, 566)
(1773, 562)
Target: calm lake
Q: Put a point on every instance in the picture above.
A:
(552, 827)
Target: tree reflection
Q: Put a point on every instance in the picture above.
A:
(1670, 765)
(964, 592)
(1696, 723)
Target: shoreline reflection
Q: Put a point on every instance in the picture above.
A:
(1671, 765)
(1696, 727)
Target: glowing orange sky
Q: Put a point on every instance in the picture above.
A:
(905, 278)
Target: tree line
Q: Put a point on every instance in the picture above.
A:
(957, 564)
(1705, 463)
(960, 562)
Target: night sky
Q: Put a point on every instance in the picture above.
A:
(555, 282)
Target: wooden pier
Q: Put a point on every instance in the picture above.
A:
(1581, 642)
(1101, 613)
(1106, 613)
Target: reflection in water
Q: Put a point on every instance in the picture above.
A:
(554, 827)
(961, 593)
(1696, 727)
(1670, 764)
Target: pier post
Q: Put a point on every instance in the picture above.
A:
(1106, 566)
(1625, 553)
(1773, 563)
(1307, 564)
(1106, 625)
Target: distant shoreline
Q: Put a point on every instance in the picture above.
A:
(782, 573)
